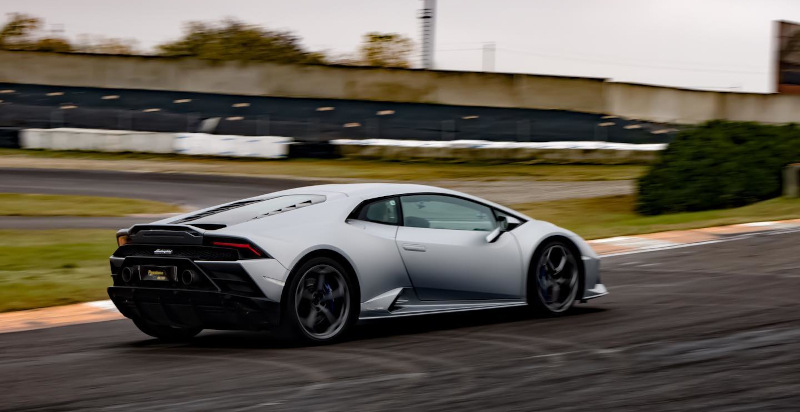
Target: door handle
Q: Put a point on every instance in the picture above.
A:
(414, 247)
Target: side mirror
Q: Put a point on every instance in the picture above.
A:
(502, 226)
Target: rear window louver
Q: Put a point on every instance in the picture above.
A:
(216, 210)
(288, 208)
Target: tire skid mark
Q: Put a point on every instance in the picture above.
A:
(533, 374)
(790, 302)
(462, 373)
(410, 372)
(359, 382)
(710, 305)
(702, 274)
(314, 375)
(310, 373)
(498, 389)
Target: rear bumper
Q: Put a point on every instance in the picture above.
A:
(195, 308)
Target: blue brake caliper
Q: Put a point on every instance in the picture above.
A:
(328, 291)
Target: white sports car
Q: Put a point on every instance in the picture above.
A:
(312, 261)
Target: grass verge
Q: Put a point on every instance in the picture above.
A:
(603, 217)
(316, 168)
(42, 268)
(22, 204)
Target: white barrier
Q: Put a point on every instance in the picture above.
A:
(96, 140)
(485, 144)
(268, 147)
(275, 147)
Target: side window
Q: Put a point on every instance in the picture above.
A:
(379, 211)
(446, 212)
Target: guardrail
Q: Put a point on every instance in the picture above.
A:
(479, 150)
(97, 140)
(276, 147)
(268, 147)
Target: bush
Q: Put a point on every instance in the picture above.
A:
(719, 165)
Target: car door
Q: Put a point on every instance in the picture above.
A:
(443, 244)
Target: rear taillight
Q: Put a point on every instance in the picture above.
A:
(122, 238)
(245, 248)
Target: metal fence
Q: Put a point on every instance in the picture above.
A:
(307, 119)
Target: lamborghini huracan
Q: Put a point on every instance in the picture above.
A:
(311, 262)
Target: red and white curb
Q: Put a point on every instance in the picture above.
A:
(87, 312)
(105, 310)
(620, 245)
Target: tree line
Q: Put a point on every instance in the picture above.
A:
(225, 40)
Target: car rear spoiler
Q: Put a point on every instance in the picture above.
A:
(165, 234)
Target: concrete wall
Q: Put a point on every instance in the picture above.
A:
(651, 103)
(661, 104)
(265, 79)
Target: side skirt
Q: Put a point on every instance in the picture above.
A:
(402, 302)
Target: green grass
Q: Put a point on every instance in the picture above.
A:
(17, 204)
(614, 216)
(327, 168)
(42, 268)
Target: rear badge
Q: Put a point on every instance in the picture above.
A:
(162, 252)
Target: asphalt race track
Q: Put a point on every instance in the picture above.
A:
(711, 327)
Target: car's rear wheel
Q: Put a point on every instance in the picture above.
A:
(166, 333)
(322, 304)
(554, 279)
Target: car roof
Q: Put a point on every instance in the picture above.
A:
(362, 191)
(367, 189)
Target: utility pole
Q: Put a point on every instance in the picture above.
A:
(428, 18)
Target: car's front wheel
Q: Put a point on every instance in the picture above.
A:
(321, 302)
(166, 333)
(554, 280)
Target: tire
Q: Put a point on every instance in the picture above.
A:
(554, 278)
(166, 333)
(321, 302)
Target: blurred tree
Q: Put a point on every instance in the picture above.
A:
(17, 31)
(50, 44)
(105, 45)
(345, 59)
(386, 50)
(235, 40)
(20, 32)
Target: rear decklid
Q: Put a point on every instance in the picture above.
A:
(184, 241)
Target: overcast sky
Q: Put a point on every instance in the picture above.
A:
(704, 44)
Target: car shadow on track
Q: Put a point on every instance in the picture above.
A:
(372, 329)
(431, 323)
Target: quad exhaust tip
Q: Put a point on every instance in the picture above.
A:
(188, 277)
(127, 275)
